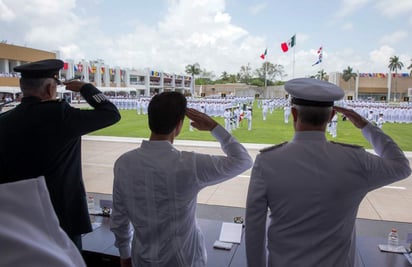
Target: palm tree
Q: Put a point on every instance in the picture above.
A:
(321, 75)
(410, 68)
(224, 76)
(395, 65)
(193, 70)
(232, 78)
(347, 75)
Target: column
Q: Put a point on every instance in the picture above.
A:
(117, 79)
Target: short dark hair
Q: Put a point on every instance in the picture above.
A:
(27, 84)
(165, 111)
(314, 115)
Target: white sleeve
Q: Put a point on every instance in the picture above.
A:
(119, 220)
(390, 165)
(212, 169)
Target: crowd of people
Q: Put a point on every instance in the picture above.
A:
(302, 198)
(401, 113)
(9, 74)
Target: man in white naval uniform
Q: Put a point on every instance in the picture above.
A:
(249, 117)
(265, 109)
(286, 113)
(155, 187)
(334, 126)
(313, 187)
(228, 115)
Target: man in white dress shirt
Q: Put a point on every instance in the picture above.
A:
(156, 186)
(313, 187)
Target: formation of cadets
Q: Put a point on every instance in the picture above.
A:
(379, 113)
(232, 109)
(236, 109)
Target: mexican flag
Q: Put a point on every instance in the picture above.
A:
(264, 54)
(289, 44)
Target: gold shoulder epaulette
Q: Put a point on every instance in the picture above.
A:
(347, 145)
(266, 149)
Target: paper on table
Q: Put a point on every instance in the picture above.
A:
(397, 249)
(231, 232)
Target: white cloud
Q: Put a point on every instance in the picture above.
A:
(347, 26)
(71, 51)
(256, 9)
(394, 38)
(381, 56)
(6, 13)
(392, 8)
(45, 24)
(350, 6)
(187, 32)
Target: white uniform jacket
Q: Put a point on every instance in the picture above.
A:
(313, 189)
(155, 188)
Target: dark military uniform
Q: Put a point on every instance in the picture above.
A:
(44, 138)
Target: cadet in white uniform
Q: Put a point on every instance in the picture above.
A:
(264, 110)
(380, 121)
(227, 115)
(248, 117)
(286, 113)
(313, 187)
(334, 126)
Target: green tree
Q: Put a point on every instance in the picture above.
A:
(232, 78)
(193, 69)
(272, 71)
(410, 68)
(224, 76)
(348, 75)
(321, 75)
(394, 65)
(207, 74)
(245, 73)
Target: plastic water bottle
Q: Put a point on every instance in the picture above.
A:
(90, 204)
(393, 239)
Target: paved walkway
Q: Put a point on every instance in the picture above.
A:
(390, 203)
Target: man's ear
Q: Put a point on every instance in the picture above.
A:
(179, 127)
(49, 91)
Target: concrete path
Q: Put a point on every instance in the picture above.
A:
(390, 203)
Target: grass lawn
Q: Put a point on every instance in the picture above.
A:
(271, 131)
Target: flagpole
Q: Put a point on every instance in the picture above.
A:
(321, 61)
(266, 70)
(293, 63)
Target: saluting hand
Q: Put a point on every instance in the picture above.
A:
(353, 116)
(200, 120)
(74, 85)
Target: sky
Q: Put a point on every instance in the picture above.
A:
(219, 35)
